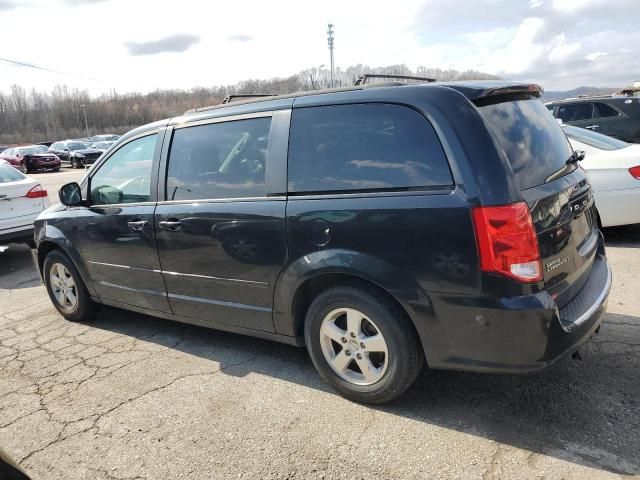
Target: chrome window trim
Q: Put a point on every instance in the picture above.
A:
(231, 118)
(95, 168)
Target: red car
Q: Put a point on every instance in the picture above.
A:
(30, 158)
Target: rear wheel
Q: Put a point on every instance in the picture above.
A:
(66, 289)
(362, 344)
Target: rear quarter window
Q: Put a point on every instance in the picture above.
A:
(531, 139)
(344, 148)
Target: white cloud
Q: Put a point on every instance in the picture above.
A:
(539, 40)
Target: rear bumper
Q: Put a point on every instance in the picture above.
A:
(525, 334)
(17, 235)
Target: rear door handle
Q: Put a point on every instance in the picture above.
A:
(592, 127)
(172, 225)
(137, 225)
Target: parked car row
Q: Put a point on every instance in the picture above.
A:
(50, 155)
(21, 201)
(617, 116)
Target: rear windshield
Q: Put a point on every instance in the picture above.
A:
(531, 138)
(594, 139)
(9, 174)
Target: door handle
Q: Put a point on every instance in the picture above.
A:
(137, 225)
(172, 225)
(592, 127)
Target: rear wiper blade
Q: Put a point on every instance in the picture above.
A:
(575, 157)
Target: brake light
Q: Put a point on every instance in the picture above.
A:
(507, 241)
(36, 192)
(635, 172)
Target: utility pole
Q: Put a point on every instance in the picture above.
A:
(86, 124)
(330, 42)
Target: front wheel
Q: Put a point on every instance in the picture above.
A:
(362, 344)
(24, 168)
(66, 289)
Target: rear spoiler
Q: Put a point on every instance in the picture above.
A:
(487, 92)
(530, 89)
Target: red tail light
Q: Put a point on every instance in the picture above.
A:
(507, 242)
(36, 192)
(635, 172)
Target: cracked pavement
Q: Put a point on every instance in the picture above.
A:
(127, 396)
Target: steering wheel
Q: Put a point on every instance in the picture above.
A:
(253, 166)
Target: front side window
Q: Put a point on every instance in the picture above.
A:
(575, 112)
(126, 175)
(219, 160)
(344, 148)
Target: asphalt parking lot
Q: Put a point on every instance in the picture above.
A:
(128, 396)
(52, 181)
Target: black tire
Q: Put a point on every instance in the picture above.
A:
(405, 357)
(24, 168)
(74, 163)
(85, 307)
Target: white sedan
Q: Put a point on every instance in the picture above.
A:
(613, 167)
(21, 200)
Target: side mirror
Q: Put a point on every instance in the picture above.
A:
(70, 194)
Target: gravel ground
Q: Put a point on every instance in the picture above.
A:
(128, 396)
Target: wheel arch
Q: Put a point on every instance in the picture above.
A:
(49, 244)
(305, 278)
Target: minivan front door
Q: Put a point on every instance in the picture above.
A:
(116, 230)
(221, 239)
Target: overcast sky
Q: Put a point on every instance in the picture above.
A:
(141, 45)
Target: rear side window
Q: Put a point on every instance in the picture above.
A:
(531, 139)
(604, 110)
(364, 147)
(594, 139)
(219, 160)
(575, 112)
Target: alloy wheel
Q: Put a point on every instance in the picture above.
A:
(63, 287)
(354, 346)
(23, 168)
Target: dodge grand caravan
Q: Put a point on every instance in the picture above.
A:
(384, 227)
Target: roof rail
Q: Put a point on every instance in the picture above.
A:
(362, 79)
(243, 96)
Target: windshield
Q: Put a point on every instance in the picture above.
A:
(76, 146)
(594, 139)
(9, 174)
(531, 138)
(33, 150)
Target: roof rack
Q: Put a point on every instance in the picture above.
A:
(244, 96)
(362, 79)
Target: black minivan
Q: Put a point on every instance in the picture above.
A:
(385, 227)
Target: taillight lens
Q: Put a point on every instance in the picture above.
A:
(507, 242)
(635, 172)
(36, 192)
